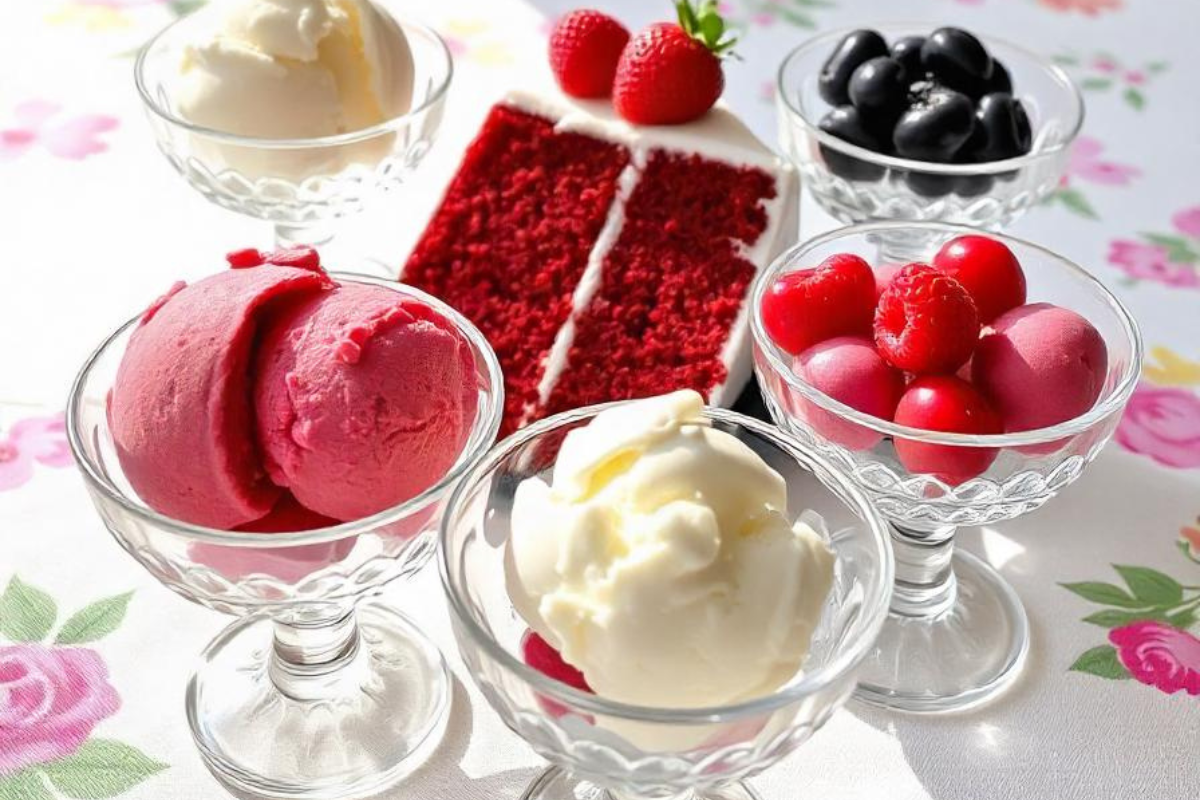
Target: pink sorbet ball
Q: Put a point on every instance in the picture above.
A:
(850, 370)
(365, 398)
(1040, 365)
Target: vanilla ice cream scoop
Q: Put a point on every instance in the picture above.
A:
(292, 69)
(660, 563)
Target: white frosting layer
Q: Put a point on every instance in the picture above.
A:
(720, 136)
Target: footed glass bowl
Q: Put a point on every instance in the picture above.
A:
(854, 184)
(603, 749)
(957, 634)
(301, 186)
(309, 694)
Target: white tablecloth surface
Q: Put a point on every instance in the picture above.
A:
(93, 222)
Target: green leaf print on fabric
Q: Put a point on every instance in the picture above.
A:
(27, 785)
(94, 621)
(1102, 662)
(1105, 593)
(1151, 586)
(26, 614)
(1147, 621)
(101, 768)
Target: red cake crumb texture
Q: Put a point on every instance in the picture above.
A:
(511, 239)
(671, 287)
(519, 226)
(1034, 366)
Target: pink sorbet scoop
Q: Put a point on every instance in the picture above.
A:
(1040, 365)
(180, 408)
(364, 399)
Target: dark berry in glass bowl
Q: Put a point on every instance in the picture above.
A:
(856, 48)
(879, 90)
(928, 184)
(958, 60)
(907, 50)
(847, 124)
(1001, 80)
(973, 185)
(935, 127)
(1004, 126)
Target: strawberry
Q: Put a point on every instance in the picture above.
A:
(670, 72)
(585, 46)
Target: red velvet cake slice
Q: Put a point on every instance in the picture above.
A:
(605, 261)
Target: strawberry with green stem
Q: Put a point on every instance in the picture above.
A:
(670, 73)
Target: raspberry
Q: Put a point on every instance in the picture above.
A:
(245, 258)
(807, 307)
(926, 321)
(301, 257)
(584, 49)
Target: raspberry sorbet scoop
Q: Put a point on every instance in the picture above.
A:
(364, 399)
(180, 407)
(1040, 365)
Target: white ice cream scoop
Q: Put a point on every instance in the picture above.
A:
(660, 563)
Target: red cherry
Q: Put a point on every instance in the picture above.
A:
(988, 270)
(949, 404)
(807, 307)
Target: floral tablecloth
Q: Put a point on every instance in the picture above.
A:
(94, 655)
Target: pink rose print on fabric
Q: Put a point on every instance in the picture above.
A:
(1103, 73)
(37, 440)
(1187, 222)
(1085, 165)
(1159, 655)
(1151, 262)
(1090, 8)
(37, 123)
(53, 700)
(1164, 424)
(1172, 259)
(54, 692)
(1148, 618)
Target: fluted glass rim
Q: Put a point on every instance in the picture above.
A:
(406, 23)
(875, 604)
(779, 360)
(488, 416)
(796, 115)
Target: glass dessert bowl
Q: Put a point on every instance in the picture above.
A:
(300, 184)
(856, 184)
(311, 693)
(601, 748)
(957, 634)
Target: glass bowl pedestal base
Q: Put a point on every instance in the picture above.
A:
(336, 707)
